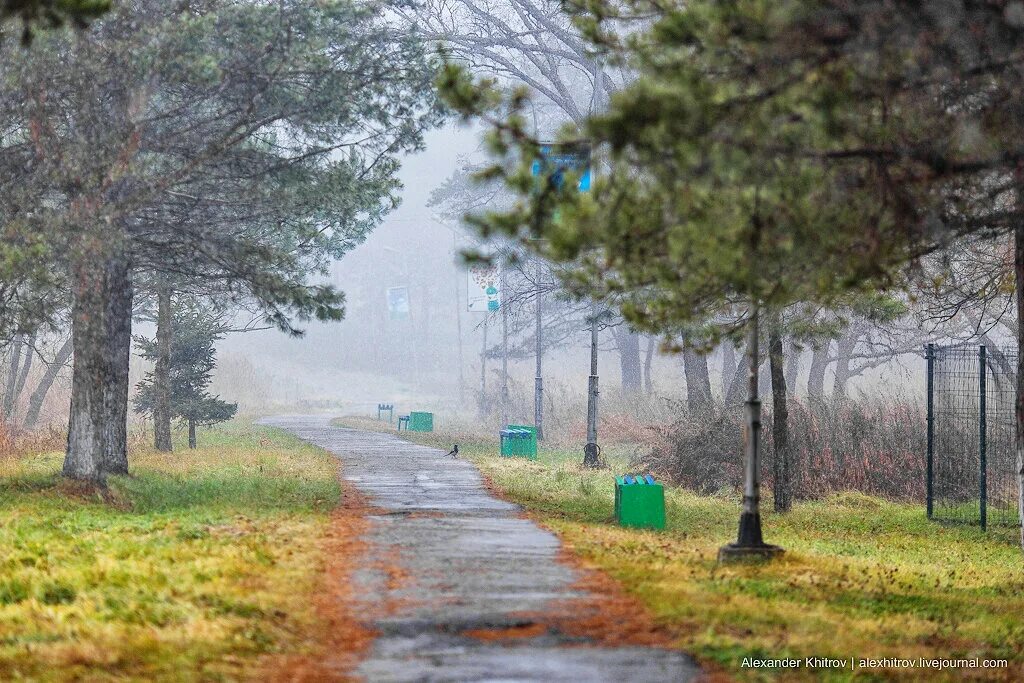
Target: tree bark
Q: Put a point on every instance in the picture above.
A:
(734, 393)
(816, 374)
(1018, 266)
(780, 421)
(766, 381)
(648, 359)
(35, 401)
(162, 372)
(102, 323)
(25, 368)
(792, 368)
(12, 377)
(844, 349)
(698, 380)
(192, 434)
(628, 344)
(728, 369)
(742, 377)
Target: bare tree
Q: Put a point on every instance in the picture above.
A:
(531, 43)
(60, 362)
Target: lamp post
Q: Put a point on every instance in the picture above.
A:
(538, 380)
(591, 451)
(750, 542)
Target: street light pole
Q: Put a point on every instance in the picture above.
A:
(538, 382)
(591, 452)
(750, 542)
(504, 350)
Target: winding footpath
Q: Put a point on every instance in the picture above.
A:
(478, 586)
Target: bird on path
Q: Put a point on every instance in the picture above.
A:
(454, 452)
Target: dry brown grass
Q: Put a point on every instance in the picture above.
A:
(17, 444)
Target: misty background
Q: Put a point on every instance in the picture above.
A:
(433, 360)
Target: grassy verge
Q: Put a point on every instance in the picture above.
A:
(193, 568)
(861, 577)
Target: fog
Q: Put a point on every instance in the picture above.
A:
(434, 358)
(368, 358)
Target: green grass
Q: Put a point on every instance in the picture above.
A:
(195, 567)
(861, 577)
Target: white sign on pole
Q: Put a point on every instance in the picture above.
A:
(398, 303)
(484, 293)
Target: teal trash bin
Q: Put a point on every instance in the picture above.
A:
(639, 502)
(527, 447)
(519, 441)
(420, 422)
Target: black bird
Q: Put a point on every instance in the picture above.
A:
(454, 452)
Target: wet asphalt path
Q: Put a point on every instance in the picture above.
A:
(469, 562)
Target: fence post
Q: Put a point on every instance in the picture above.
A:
(982, 432)
(930, 362)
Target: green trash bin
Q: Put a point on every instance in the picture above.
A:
(639, 502)
(420, 422)
(527, 447)
(519, 441)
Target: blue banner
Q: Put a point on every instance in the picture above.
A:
(557, 159)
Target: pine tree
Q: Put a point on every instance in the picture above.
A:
(769, 154)
(212, 141)
(194, 333)
(51, 13)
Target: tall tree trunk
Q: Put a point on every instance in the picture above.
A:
(35, 401)
(792, 368)
(728, 369)
(698, 380)
(766, 382)
(742, 379)
(162, 372)
(628, 344)
(816, 374)
(780, 420)
(648, 359)
(1018, 263)
(844, 349)
(101, 321)
(192, 434)
(30, 348)
(12, 377)
(736, 387)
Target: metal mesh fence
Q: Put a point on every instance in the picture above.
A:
(971, 435)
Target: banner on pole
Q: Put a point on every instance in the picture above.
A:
(398, 303)
(558, 159)
(484, 292)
